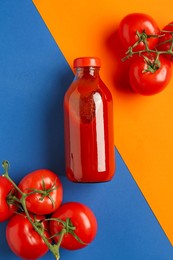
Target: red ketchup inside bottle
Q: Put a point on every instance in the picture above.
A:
(88, 124)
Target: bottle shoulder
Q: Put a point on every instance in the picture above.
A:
(88, 87)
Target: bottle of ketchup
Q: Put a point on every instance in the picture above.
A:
(88, 122)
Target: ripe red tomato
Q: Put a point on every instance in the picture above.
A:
(140, 22)
(6, 210)
(23, 240)
(51, 187)
(149, 83)
(82, 218)
(164, 42)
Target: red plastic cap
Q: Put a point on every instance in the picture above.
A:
(87, 62)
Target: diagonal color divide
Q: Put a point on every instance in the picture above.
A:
(143, 125)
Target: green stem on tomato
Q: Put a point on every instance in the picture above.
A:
(5, 165)
(61, 235)
(67, 225)
(53, 248)
(142, 37)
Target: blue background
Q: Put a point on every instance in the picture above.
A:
(34, 76)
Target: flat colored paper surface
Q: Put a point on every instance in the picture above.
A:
(34, 76)
(143, 125)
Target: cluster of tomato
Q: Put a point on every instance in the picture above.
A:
(151, 52)
(38, 220)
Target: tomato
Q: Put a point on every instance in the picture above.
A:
(140, 22)
(165, 40)
(82, 218)
(6, 209)
(149, 83)
(50, 186)
(23, 240)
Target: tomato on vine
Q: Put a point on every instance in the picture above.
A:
(7, 205)
(149, 76)
(23, 239)
(44, 189)
(149, 72)
(72, 226)
(78, 223)
(138, 27)
(165, 42)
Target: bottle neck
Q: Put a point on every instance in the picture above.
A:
(87, 72)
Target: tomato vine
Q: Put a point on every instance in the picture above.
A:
(150, 51)
(142, 37)
(66, 225)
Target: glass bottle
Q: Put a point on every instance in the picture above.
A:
(88, 123)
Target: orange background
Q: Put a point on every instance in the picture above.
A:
(143, 125)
